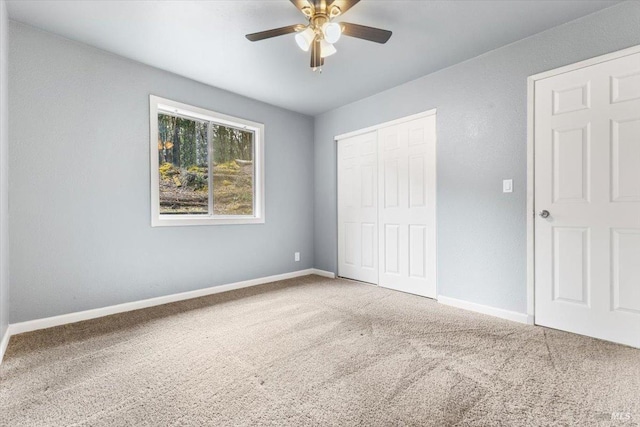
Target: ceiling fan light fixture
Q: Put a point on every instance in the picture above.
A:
(332, 31)
(319, 34)
(326, 49)
(305, 38)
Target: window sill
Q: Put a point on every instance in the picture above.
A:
(181, 220)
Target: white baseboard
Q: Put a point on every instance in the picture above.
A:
(323, 273)
(49, 322)
(485, 309)
(4, 343)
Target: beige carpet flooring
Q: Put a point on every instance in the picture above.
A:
(314, 351)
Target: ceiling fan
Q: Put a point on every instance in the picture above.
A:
(321, 33)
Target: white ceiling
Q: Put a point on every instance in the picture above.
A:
(204, 40)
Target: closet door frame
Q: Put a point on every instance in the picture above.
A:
(376, 128)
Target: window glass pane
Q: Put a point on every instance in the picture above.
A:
(233, 171)
(183, 165)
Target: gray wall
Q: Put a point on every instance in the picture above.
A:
(4, 170)
(481, 140)
(79, 185)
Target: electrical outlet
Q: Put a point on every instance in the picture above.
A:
(296, 256)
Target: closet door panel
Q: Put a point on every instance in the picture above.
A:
(358, 208)
(407, 213)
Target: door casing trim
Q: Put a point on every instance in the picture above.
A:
(389, 123)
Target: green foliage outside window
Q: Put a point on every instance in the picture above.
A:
(184, 167)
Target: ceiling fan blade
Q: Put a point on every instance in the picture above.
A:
(366, 33)
(301, 4)
(344, 5)
(274, 32)
(316, 57)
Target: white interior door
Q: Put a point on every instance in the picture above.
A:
(358, 208)
(587, 176)
(407, 215)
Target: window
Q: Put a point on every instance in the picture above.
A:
(206, 168)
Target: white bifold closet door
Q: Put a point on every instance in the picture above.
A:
(358, 208)
(386, 207)
(406, 214)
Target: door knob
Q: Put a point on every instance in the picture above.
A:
(544, 214)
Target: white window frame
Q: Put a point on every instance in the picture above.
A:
(158, 104)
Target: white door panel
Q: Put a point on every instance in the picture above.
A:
(587, 175)
(358, 208)
(407, 179)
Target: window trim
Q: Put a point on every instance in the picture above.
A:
(158, 104)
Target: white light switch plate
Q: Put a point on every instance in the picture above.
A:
(507, 186)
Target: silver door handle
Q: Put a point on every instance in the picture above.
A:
(544, 214)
